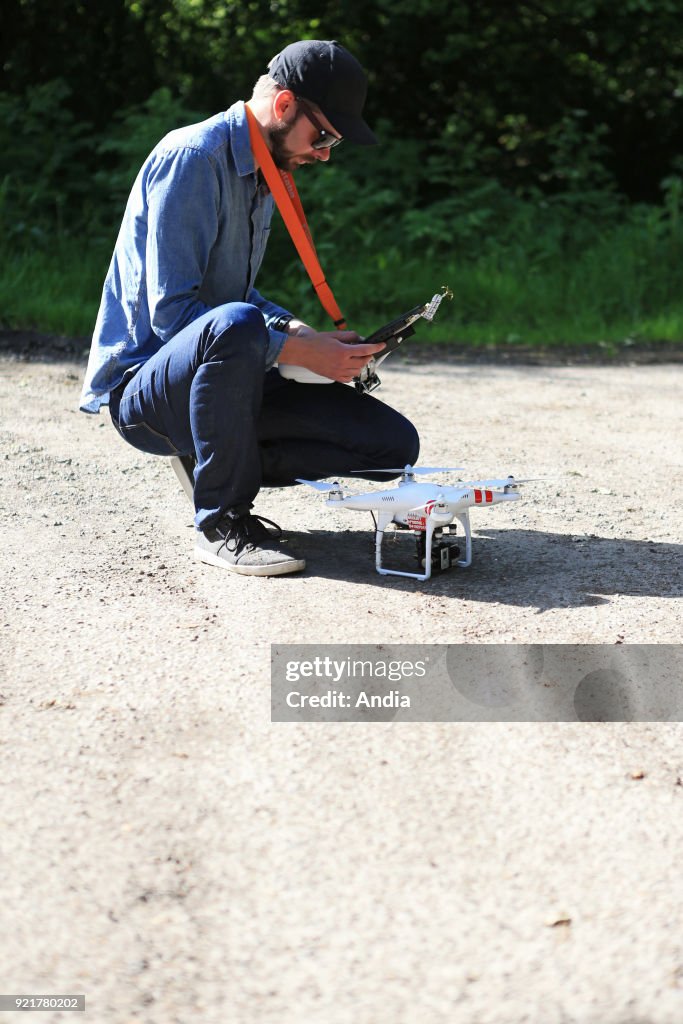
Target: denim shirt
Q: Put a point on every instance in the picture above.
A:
(192, 238)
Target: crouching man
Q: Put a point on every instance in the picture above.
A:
(185, 349)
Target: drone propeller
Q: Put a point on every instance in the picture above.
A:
(509, 481)
(412, 469)
(318, 486)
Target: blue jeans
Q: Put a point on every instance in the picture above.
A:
(207, 393)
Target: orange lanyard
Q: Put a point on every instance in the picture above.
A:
(286, 196)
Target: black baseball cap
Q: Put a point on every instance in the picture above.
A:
(326, 74)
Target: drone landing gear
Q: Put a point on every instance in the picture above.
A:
(434, 553)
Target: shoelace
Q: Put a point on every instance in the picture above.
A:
(248, 529)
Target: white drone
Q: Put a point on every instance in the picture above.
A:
(426, 509)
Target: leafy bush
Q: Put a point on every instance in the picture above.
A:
(42, 151)
(558, 257)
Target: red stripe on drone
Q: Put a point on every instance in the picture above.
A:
(489, 495)
(477, 496)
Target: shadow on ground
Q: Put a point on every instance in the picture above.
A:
(526, 568)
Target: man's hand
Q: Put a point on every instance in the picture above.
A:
(339, 355)
(297, 328)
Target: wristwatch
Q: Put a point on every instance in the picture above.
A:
(282, 322)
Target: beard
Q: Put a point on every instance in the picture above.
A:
(283, 158)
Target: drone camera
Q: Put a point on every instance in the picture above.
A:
(445, 553)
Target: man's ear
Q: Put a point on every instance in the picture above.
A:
(283, 101)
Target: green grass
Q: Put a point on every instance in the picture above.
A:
(621, 291)
(55, 289)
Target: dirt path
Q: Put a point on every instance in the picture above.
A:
(176, 857)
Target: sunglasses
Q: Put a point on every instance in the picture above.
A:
(325, 140)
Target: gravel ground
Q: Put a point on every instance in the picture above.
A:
(172, 854)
